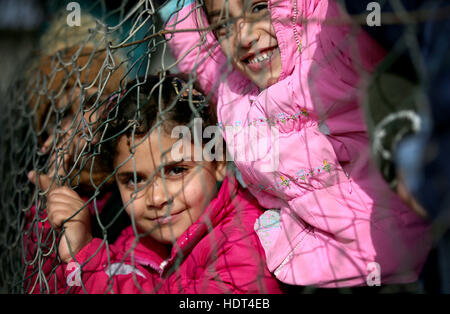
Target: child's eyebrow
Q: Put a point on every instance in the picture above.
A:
(170, 163)
(215, 13)
(128, 174)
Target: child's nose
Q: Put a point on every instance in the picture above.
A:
(247, 33)
(156, 194)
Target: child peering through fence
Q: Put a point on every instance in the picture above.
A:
(192, 224)
(72, 80)
(326, 228)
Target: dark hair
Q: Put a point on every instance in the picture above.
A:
(202, 4)
(150, 102)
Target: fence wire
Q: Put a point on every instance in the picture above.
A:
(57, 121)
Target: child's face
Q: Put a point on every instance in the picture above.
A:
(165, 205)
(250, 40)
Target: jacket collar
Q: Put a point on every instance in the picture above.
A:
(287, 32)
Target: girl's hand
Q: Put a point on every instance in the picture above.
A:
(63, 210)
(62, 204)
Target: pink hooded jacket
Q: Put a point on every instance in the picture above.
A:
(219, 253)
(302, 147)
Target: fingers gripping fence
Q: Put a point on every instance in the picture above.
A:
(89, 178)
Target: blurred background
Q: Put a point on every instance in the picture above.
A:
(23, 21)
(20, 22)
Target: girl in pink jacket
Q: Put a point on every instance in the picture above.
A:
(287, 77)
(188, 234)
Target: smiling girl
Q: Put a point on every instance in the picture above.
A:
(192, 226)
(266, 58)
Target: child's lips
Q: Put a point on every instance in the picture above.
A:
(166, 219)
(256, 62)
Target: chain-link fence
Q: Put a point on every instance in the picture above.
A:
(102, 193)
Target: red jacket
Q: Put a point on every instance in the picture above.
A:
(219, 253)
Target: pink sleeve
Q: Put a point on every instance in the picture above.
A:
(106, 270)
(333, 243)
(39, 255)
(195, 52)
(103, 269)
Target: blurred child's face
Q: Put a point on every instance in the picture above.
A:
(77, 124)
(167, 203)
(249, 39)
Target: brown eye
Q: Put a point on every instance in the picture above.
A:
(258, 7)
(131, 183)
(176, 171)
(223, 29)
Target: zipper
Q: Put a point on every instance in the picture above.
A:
(349, 181)
(163, 265)
(154, 267)
(291, 254)
(297, 37)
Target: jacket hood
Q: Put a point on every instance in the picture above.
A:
(283, 14)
